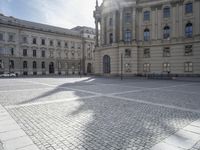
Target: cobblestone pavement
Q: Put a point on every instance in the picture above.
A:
(98, 113)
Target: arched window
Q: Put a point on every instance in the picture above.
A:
(146, 35)
(106, 64)
(25, 64)
(166, 12)
(188, 30)
(127, 36)
(110, 38)
(166, 32)
(34, 65)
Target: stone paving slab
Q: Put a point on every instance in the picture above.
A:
(38, 95)
(174, 98)
(90, 114)
(100, 123)
(185, 139)
(12, 137)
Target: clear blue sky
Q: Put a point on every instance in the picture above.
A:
(62, 13)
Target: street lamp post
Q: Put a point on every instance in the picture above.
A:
(121, 66)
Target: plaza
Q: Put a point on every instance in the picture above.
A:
(90, 113)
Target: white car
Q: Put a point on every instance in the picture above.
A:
(8, 75)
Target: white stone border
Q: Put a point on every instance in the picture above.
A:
(11, 135)
(184, 139)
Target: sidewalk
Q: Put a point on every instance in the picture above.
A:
(12, 137)
(187, 138)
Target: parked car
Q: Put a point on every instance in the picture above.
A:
(8, 75)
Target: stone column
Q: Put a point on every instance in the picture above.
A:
(121, 24)
(114, 27)
(134, 24)
(102, 31)
(97, 33)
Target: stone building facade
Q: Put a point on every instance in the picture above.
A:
(28, 48)
(139, 37)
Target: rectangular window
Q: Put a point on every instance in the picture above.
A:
(12, 64)
(188, 66)
(11, 51)
(188, 8)
(66, 45)
(1, 36)
(127, 53)
(147, 53)
(166, 12)
(188, 50)
(43, 53)
(1, 64)
(34, 53)
(24, 39)
(166, 67)
(51, 54)
(110, 22)
(43, 65)
(51, 43)
(34, 41)
(25, 52)
(43, 42)
(146, 67)
(79, 46)
(127, 17)
(146, 15)
(11, 38)
(72, 45)
(166, 52)
(25, 65)
(59, 44)
(128, 35)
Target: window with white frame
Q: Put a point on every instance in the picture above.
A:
(43, 65)
(188, 50)
(188, 30)
(188, 8)
(12, 64)
(1, 36)
(166, 52)
(146, 35)
(166, 32)
(146, 15)
(166, 67)
(188, 66)
(166, 12)
(1, 64)
(127, 67)
(127, 35)
(146, 67)
(127, 53)
(127, 17)
(51, 42)
(24, 39)
(147, 53)
(11, 37)
(110, 22)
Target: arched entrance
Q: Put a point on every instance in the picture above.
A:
(106, 64)
(89, 68)
(51, 68)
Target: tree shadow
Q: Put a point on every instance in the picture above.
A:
(104, 123)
